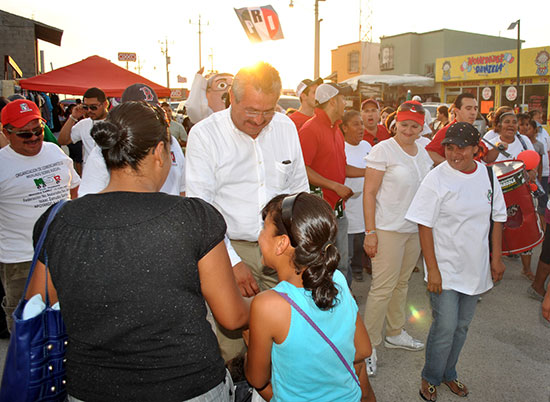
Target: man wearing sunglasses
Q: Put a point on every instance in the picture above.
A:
(33, 175)
(94, 107)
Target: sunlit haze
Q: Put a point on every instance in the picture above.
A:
(105, 28)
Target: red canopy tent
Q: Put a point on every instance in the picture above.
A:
(94, 71)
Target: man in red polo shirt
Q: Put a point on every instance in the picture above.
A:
(325, 160)
(306, 92)
(370, 113)
(465, 107)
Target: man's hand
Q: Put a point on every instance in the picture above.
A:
(434, 281)
(78, 112)
(344, 192)
(497, 269)
(245, 281)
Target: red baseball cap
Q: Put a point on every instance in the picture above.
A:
(411, 110)
(370, 100)
(20, 112)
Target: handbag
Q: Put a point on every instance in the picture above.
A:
(34, 368)
(316, 328)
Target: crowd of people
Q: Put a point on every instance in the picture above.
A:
(170, 266)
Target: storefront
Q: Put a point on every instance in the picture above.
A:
(492, 78)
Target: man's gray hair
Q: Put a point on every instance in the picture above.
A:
(262, 76)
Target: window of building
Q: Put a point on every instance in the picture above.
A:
(511, 95)
(386, 58)
(353, 62)
(451, 94)
(536, 97)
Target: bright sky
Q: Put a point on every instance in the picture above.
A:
(105, 28)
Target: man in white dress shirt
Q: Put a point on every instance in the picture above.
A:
(240, 158)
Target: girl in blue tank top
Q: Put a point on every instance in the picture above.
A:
(288, 360)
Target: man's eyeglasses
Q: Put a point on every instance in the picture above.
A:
(27, 135)
(93, 108)
(255, 113)
(411, 107)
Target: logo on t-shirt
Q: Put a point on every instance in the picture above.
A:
(41, 181)
(173, 157)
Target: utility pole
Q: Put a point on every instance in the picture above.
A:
(200, 33)
(317, 40)
(365, 21)
(164, 51)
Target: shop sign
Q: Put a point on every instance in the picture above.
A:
(494, 65)
(511, 94)
(486, 93)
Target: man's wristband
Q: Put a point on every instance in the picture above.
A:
(73, 118)
(368, 232)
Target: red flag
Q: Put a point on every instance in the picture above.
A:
(260, 23)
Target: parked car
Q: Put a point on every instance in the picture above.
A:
(286, 101)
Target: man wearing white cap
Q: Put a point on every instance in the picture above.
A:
(325, 159)
(306, 92)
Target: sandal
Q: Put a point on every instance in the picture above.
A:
(430, 389)
(529, 275)
(457, 388)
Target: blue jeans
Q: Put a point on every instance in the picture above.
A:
(452, 313)
(342, 246)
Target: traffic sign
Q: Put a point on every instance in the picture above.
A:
(125, 56)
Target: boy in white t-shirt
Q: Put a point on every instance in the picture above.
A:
(453, 209)
(356, 150)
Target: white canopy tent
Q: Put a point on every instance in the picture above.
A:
(408, 80)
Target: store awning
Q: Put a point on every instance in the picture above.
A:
(408, 80)
(93, 71)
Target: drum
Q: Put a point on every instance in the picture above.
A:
(522, 230)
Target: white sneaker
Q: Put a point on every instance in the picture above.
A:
(403, 341)
(371, 363)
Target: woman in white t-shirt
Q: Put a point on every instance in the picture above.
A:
(395, 169)
(506, 133)
(356, 150)
(453, 208)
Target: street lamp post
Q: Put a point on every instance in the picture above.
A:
(317, 40)
(512, 26)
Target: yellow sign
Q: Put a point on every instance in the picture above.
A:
(493, 65)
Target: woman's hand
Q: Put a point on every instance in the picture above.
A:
(434, 281)
(370, 244)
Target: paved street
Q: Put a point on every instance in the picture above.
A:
(506, 357)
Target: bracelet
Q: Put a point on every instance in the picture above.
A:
(73, 118)
(368, 232)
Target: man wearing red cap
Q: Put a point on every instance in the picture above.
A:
(33, 176)
(370, 113)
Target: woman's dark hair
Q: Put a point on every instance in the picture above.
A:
(129, 132)
(389, 120)
(444, 110)
(500, 112)
(388, 110)
(313, 231)
(533, 124)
